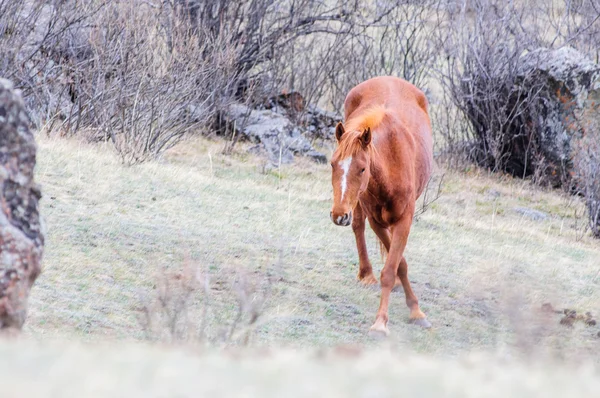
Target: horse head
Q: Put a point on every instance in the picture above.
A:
(350, 171)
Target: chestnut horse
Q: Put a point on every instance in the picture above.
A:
(381, 166)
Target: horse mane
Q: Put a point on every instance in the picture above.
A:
(350, 143)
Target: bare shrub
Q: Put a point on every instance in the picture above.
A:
(487, 77)
(432, 192)
(264, 34)
(322, 49)
(483, 53)
(34, 38)
(165, 316)
(250, 299)
(143, 74)
(149, 80)
(586, 159)
(575, 23)
(451, 129)
(132, 72)
(393, 39)
(492, 85)
(179, 307)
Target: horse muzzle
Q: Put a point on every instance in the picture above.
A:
(342, 220)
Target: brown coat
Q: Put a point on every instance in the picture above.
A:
(381, 166)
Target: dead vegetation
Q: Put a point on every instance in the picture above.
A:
(506, 107)
(145, 74)
(587, 169)
(176, 309)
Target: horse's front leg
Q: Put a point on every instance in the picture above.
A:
(389, 272)
(365, 271)
(385, 239)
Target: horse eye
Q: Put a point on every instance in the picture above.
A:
(362, 171)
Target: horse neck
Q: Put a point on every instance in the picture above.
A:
(378, 177)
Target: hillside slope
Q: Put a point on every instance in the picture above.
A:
(481, 259)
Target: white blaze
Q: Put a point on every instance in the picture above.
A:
(345, 165)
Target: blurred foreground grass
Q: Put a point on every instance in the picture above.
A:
(29, 369)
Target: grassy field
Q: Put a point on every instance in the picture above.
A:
(480, 261)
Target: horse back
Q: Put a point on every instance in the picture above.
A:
(407, 128)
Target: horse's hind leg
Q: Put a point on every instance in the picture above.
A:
(365, 272)
(416, 315)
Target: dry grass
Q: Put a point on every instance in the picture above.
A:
(481, 269)
(138, 371)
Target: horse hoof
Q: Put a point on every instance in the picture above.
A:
(368, 280)
(379, 334)
(379, 331)
(422, 322)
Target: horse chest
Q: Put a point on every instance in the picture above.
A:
(386, 211)
(380, 214)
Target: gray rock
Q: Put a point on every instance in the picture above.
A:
(274, 132)
(492, 194)
(570, 86)
(316, 156)
(532, 214)
(321, 124)
(21, 231)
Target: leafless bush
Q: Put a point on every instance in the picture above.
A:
(181, 307)
(250, 299)
(451, 125)
(432, 192)
(145, 73)
(390, 38)
(149, 80)
(165, 316)
(575, 23)
(322, 49)
(483, 51)
(33, 41)
(492, 85)
(586, 159)
(485, 83)
(132, 72)
(265, 35)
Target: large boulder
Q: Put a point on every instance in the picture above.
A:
(567, 86)
(21, 235)
(273, 132)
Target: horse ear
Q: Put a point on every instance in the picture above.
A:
(339, 131)
(365, 138)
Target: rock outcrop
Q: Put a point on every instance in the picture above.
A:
(568, 87)
(21, 232)
(282, 127)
